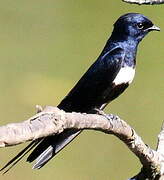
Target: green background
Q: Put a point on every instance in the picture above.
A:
(45, 47)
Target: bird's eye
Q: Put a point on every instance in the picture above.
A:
(140, 26)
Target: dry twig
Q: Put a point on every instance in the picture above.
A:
(147, 2)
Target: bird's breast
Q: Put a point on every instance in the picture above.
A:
(125, 75)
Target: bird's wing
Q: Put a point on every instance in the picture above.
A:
(100, 76)
(104, 69)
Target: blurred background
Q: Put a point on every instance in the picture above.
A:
(45, 47)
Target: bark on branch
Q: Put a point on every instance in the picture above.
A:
(52, 120)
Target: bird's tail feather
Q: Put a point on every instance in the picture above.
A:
(54, 144)
(19, 156)
(47, 148)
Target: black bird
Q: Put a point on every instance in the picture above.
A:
(104, 81)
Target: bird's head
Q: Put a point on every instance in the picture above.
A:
(133, 25)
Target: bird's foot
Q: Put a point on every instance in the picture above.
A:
(108, 116)
(98, 111)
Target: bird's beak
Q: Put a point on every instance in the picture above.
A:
(154, 28)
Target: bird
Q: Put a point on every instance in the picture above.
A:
(104, 81)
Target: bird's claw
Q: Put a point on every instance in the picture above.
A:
(108, 116)
(111, 116)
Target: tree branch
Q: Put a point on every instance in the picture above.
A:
(147, 2)
(52, 120)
